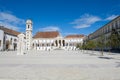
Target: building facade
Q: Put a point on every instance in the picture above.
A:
(8, 39)
(53, 40)
(50, 40)
(105, 31)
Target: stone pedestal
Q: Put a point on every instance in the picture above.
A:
(21, 44)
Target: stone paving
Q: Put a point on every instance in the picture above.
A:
(59, 65)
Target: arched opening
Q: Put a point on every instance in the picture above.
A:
(42, 44)
(37, 45)
(15, 46)
(28, 26)
(33, 45)
(52, 44)
(63, 42)
(7, 44)
(47, 44)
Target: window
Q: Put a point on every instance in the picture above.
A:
(106, 29)
(0, 42)
(11, 41)
(70, 44)
(38, 45)
(28, 26)
(119, 23)
(33, 44)
(116, 24)
(112, 26)
(15, 40)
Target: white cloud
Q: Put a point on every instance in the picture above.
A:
(85, 20)
(50, 28)
(69, 33)
(10, 21)
(10, 18)
(7, 25)
(111, 17)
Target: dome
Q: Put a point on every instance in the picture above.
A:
(29, 21)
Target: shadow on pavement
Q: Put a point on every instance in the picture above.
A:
(106, 57)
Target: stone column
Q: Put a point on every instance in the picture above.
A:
(45, 46)
(68, 45)
(35, 45)
(21, 44)
(50, 44)
(61, 43)
(54, 43)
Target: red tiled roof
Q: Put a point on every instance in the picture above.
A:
(51, 34)
(74, 36)
(9, 31)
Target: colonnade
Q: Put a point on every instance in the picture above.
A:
(57, 43)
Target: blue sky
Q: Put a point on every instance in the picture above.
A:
(66, 16)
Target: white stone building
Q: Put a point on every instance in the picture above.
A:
(71, 41)
(50, 40)
(105, 31)
(1, 39)
(8, 39)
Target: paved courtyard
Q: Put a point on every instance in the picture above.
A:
(59, 65)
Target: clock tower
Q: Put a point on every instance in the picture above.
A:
(28, 34)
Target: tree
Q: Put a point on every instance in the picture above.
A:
(91, 44)
(78, 46)
(84, 46)
(101, 44)
(114, 39)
